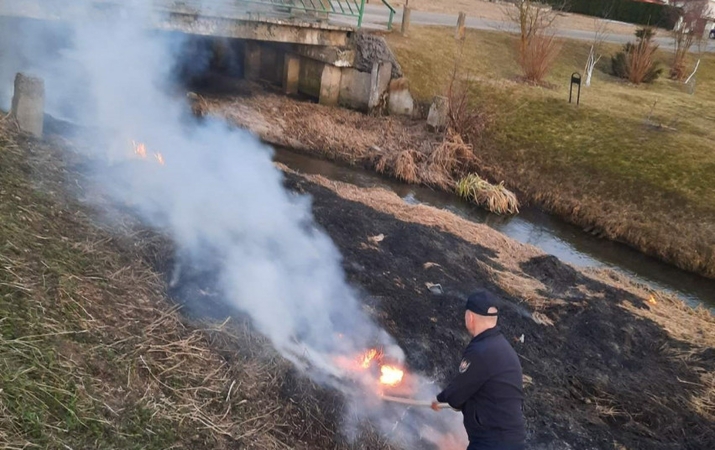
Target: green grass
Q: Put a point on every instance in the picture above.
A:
(650, 187)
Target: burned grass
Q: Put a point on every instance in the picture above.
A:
(611, 364)
(93, 354)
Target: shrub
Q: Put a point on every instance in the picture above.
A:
(636, 63)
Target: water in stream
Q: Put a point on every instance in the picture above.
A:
(532, 226)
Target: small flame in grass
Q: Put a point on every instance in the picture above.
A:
(367, 358)
(139, 149)
(391, 375)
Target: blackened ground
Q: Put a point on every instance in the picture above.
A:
(604, 375)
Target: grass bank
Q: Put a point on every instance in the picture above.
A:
(93, 354)
(603, 165)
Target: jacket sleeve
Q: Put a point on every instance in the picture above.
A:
(466, 383)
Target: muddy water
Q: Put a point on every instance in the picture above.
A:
(532, 226)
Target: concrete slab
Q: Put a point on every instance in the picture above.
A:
(252, 61)
(337, 57)
(238, 20)
(330, 85)
(291, 73)
(355, 89)
(28, 104)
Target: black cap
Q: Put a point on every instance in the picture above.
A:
(480, 301)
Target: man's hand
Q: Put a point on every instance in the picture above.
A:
(436, 406)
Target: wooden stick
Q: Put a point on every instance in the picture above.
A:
(412, 402)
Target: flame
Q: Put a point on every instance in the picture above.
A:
(367, 358)
(391, 375)
(139, 149)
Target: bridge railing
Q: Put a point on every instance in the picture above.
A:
(349, 8)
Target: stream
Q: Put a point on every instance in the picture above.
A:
(531, 226)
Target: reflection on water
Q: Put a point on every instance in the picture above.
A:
(532, 226)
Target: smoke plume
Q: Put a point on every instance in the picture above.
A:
(214, 190)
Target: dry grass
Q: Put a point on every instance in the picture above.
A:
(495, 198)
(92, 355)
(447, 162)
(399, 148)
(401, 165)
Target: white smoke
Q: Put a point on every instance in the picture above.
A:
(217, 193)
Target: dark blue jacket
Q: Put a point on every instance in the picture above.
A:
(488, 390)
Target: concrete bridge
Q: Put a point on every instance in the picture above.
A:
(291, 43)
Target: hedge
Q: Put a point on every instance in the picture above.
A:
(629, 11)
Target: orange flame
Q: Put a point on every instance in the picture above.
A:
(139, 149)
(391, 375)
(368, 358)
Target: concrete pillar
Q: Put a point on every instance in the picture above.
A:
(437, 118)
(330, 85)
(252, 61)
(28, 104)
(269, 62)
(379, 82)
(406, 15)
(291, 73)
(460, 31)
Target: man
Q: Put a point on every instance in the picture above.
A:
(488, 389)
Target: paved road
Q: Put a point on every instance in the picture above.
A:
(376, 17)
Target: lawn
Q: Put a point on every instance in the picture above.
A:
(599, 164)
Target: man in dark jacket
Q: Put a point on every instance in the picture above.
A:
(488, 388)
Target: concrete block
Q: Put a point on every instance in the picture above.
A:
(339, 57)
(379, 82)
(269, 65)
(28, 104)
(310, 75)
(252, 61)
(355, 89)
(400, 102)
(330, 85)
(406, 18)
(437, 118)
(291, 73)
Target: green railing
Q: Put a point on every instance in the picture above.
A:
(392, 14)
(349, 8)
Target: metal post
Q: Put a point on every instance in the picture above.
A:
(362, 11)
(575, 79)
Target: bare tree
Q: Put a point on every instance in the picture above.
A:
(538, 46)
(689, 30)
(595, 53)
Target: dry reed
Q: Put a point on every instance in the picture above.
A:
(496, 198)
